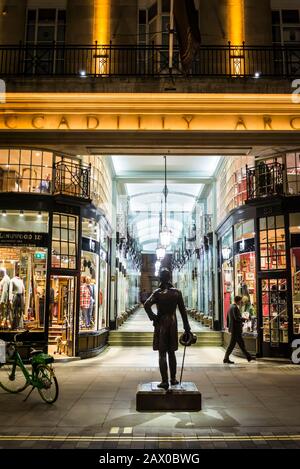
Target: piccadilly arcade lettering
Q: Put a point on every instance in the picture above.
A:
(196, 122)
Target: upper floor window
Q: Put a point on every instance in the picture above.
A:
(45, 25)
(286, 26)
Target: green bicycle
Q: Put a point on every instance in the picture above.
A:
(15, 377)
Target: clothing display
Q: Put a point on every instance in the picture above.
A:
(5, 320)
(16, 298)
(85, 303)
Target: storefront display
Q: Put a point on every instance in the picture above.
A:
(23, 268)
(227, 273)
(245, 273)
(295, 268)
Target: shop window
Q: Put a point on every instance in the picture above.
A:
(64, 241)
(295, 269)
(227, 273)
(103, 293)
(245, 273)
(89, 286)
(62, 308)
(25, 171)
(272, 243)
(275, 315)
(23, 268)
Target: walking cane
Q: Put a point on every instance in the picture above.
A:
(186, 342)
(182, 364)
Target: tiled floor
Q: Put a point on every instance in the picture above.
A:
(139, 322)
(246, 405)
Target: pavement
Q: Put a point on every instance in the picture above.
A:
(246, 405)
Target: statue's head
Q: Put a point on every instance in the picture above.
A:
(165, 275)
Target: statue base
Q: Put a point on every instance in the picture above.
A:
(183, 397)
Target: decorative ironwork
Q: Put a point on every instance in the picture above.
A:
(72, 179)
(128, 60)
(265, 179)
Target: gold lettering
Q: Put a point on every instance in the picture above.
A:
(11, 122)
(38, 122)
(92, 122)
(188, 120)
(293, 123)
(240, 123)
(63, 121)
(118, 122)
(163, 122)
(139, 122)
(268, 123)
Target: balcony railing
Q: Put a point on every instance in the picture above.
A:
(67, 178)
(140, 61)
(72, 179)
(265, 180)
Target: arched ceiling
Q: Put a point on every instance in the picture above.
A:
(142, 178)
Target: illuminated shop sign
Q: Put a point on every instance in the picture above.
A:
(10, 238)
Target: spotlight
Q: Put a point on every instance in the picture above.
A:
(40, 215)
(4, 213)
(257, 75)
(21, 213)
(82, 73)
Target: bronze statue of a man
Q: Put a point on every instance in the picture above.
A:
(165, 338)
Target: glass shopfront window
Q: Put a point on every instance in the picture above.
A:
(26, 171)
(275, 314)
(227, 272)
(295, 268)
(272, 243)
(245, 273)
(89, 287)
(64, 241)
(23, 269)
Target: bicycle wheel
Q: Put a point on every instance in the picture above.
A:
(49, 390)
(12, 378)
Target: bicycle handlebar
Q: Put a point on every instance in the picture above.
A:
(26, 332)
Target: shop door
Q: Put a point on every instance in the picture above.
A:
(62, 314)
(274, 317)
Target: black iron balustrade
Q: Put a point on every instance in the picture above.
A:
(110, 60)
(72, 179)
(265, 180)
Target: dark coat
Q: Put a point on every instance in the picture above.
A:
(235, 320)
(166, 298)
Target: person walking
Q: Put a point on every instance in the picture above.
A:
(236, 328)
(165, 338)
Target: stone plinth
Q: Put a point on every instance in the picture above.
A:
(184, 397)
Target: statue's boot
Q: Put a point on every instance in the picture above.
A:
(174, 381)
(163, 385)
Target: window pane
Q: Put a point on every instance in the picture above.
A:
(275, 17)
(142, 16)
(47, 15)
(290, 16)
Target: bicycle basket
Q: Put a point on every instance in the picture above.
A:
(42, 359)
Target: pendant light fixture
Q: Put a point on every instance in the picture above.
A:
(165, 232)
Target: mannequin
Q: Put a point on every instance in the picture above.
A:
(85, 301)
(92, 301)
(4, 292)
(16, 299)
